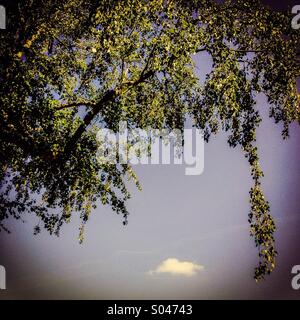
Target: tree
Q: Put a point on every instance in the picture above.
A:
(69, 67)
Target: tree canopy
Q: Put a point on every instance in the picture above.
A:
(69, 67)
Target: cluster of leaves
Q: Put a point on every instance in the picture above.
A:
(69, 67)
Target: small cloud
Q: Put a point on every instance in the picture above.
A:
(176, 267)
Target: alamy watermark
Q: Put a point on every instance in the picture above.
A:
(2, 278)
(296, 279)
(152, 146)
(296, 18)
(2, 17)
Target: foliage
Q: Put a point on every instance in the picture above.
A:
(69, 67)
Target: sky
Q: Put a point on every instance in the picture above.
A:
(187, 237)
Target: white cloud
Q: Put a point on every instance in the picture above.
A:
(176, 267)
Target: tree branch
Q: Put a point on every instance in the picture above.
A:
(76, 104)
(201, 49)
(109, 96)
(235, 50)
